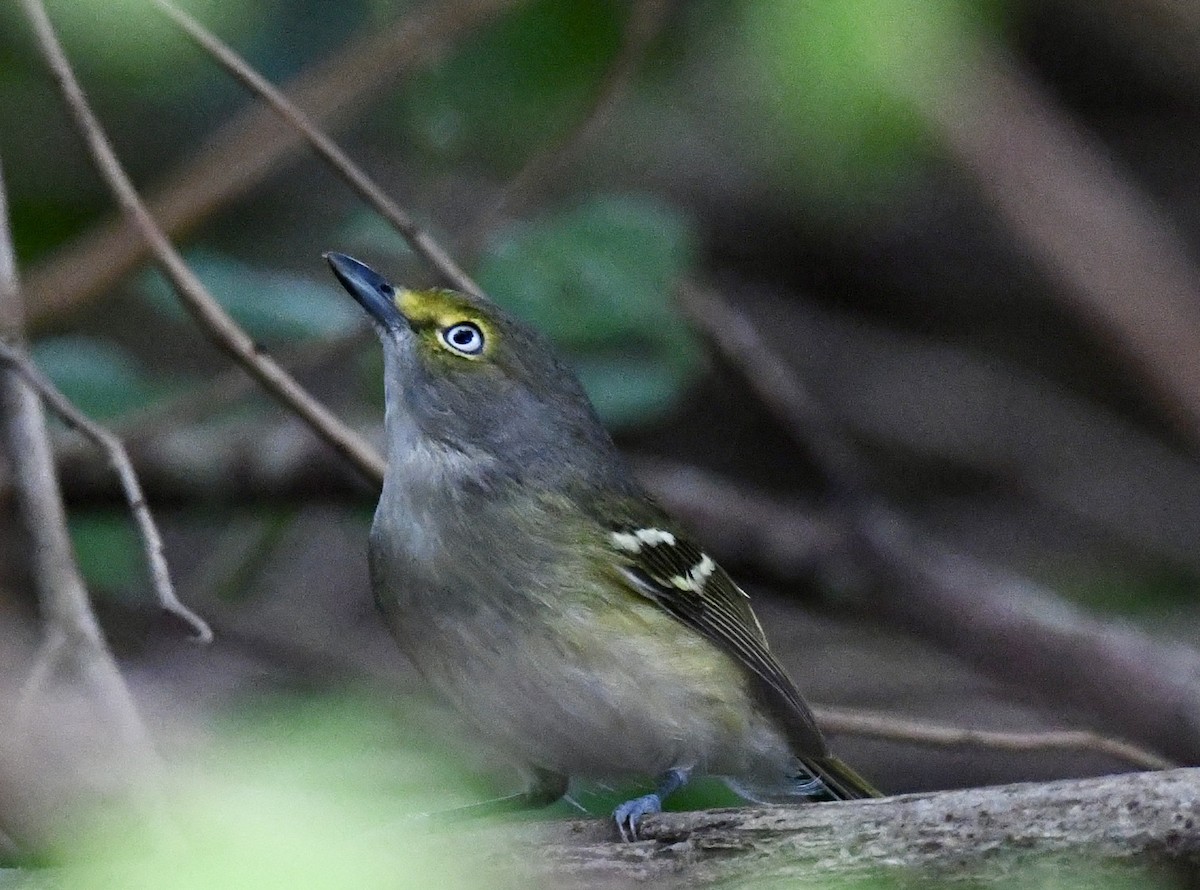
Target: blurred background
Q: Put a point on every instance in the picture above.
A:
(969, 228)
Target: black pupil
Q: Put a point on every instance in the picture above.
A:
(463, 335)
(387, 290)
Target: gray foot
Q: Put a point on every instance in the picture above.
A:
(628, 814)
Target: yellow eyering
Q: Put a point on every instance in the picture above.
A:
(429, 311)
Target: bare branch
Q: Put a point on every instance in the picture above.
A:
(1124, 268)
(113, 448)
(242, 152)
(779, 388)
(847, 721)
(981, 835)
(788, 538)
(61, 591)
(421, 241)
(1143, 688)
(217, 324)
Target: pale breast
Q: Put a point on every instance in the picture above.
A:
(587, 681)
(595, 695)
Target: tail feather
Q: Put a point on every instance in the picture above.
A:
(817, 779)
(840, 781)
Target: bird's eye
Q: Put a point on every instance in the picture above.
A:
(464, 338)
(387, 290)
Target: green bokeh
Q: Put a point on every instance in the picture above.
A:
(109, 553)
(515, 86)
(599, 280)
(842, 89)
(101, 379)
(322, 795)
(270, 305)
(130, 42)
(1145, 591)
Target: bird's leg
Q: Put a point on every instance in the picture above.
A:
(545, 788)
(628, 814)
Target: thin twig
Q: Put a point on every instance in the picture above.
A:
(222, 330)
(1009, 625)
(780, 389)
(227, 388)
(848, 721)
(253, 144)
(421, 241)
(114, 449)
(1123, 267)
(62, 594)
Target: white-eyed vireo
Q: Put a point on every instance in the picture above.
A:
(537, 587)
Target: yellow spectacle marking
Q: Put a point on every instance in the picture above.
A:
(439, 309)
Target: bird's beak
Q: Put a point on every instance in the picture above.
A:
(373, 292)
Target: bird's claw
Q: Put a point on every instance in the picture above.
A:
(628, 814)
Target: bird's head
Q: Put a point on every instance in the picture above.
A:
(462, 373)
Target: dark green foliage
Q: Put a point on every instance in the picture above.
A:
(269, 304)
(100, 378)
(599, 281)
(513, 87)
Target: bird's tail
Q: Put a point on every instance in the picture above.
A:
(838, 781)
(816, 778)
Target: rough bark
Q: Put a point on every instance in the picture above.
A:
(1136, 819)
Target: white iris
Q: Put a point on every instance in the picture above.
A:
(464, 337)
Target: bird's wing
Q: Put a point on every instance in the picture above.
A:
(662, 565)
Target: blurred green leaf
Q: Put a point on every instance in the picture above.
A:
(515, 86)
(102, 379)
(319, 797)
(838, 84)
(108, 551)
(42, 222)
(598, 280)
(270, 305)
(626, 391)
(129, 41)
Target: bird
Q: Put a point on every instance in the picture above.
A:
(573, 623)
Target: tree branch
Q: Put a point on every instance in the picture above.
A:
(242, 152)
(422, 243)
(847, 721)
(1142, 688)
(71, 626)
(981, 834)
(221, 329)
(118, 458)
(1125, 270)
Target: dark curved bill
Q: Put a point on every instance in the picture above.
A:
(373, 292)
